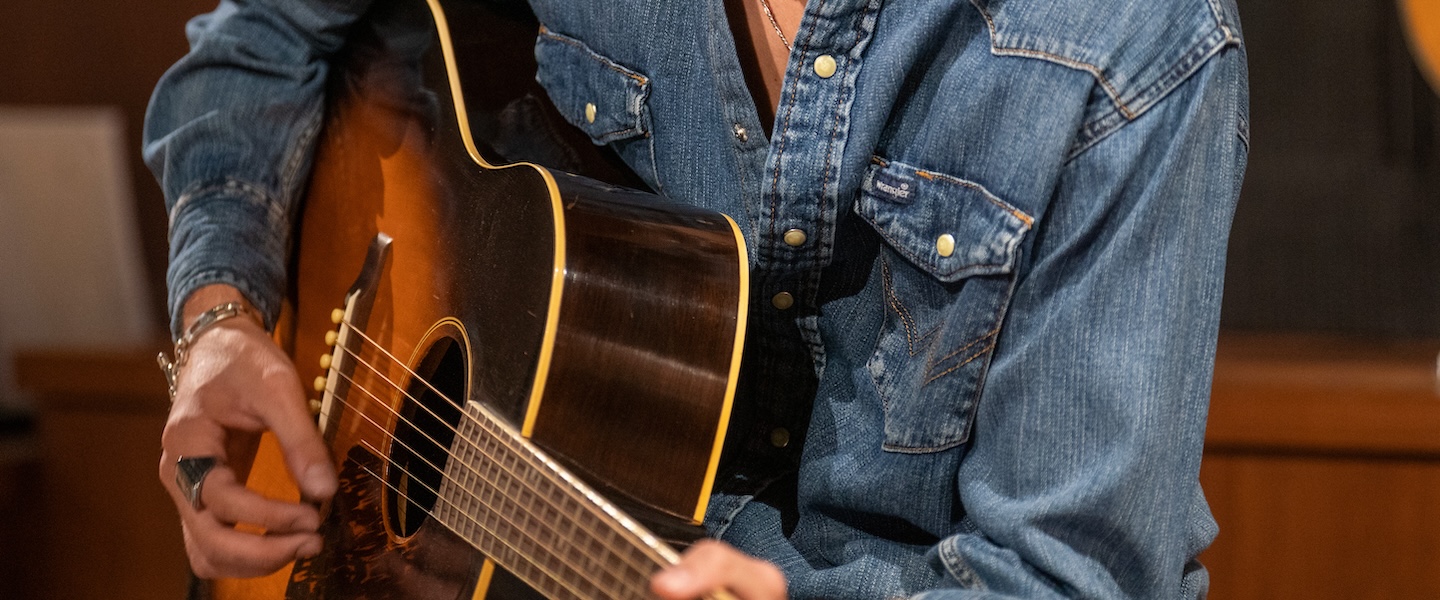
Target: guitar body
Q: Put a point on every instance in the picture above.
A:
(1421, 20)
(603, 324)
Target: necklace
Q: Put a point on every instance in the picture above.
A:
(769, 14)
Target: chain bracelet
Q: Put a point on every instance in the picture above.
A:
(207, 320)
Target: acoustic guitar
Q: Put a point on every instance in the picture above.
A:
(524, 376)
(1421, 21)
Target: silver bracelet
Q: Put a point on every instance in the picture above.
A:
(207, 320)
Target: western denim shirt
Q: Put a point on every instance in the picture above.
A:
(987, 251)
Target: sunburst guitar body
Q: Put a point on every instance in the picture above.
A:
(524, 376)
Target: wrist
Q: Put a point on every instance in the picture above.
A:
(206, 309)
(211, 296)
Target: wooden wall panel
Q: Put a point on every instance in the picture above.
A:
(1322, 466)
(105, 527)
(91, 52)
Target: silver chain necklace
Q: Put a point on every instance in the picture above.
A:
(765, 4)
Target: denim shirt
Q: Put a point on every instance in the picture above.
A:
(987, 252)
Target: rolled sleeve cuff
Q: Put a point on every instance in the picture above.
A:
(229, 233)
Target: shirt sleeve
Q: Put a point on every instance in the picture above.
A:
(229, 134)
(1082, 480)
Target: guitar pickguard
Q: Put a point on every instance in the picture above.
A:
(361, 560)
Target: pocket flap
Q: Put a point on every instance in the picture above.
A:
(594, 93)
(947, 226)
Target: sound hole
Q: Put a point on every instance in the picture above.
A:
(423, 436)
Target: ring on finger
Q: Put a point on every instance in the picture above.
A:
(190, 472)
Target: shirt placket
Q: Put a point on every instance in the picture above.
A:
(794, 215)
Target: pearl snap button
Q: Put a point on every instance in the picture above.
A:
(779, 437)
(825, 66)
(795, 237)
(589, 112)
(945, 245)
(783, 300)
(740, 133)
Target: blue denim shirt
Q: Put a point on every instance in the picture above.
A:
(992, 377)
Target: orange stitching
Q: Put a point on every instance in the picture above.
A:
(963, 348)
(1015, 212)
(967, 361)
(912, 331)
(601, 59)
(1068, 62)
(894, 302)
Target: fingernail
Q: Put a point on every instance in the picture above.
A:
(674, 578)
(309, 548)
(319, 481)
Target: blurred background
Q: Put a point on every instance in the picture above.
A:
(1323, 450)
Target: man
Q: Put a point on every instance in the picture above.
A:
(987, 243)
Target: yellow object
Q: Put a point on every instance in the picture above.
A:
(945, 245)
(825, 66)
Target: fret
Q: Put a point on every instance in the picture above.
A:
(508, 501)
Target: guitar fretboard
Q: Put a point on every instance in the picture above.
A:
(517, 506)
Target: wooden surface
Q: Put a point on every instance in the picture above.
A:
(1322, 466)
(102, 526)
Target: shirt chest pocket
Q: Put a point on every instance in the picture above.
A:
(607, 101)
(948, 269)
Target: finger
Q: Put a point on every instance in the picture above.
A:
(216, 550)
(286, 413)
(305, 452)
(711, 566)
(230, 502)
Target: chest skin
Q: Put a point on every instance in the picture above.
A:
(763, 55)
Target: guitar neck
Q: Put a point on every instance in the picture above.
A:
(509, 500)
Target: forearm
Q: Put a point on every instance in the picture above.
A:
(229, 135)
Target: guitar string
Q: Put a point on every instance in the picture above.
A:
(654, 555)
(654, 551)
(477, 520)
(526, 560)
(633, 568)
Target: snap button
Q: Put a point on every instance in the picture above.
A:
(741, 134)
(825, 66)
(945, 245)
(783, 300)
(795, 237)
(589, 112)
(779, 437)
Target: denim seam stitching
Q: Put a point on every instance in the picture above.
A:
(597, 57)
(249, 193)
(912, 332)
(1094, 71)
(824, 247)
(1017, 213)
(780, 148)
(301, 150)
(958, 351)
(201, 279)
(917, 259)
(1189, 64)
(979, 353)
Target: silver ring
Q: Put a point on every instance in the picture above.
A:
(190, 472)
